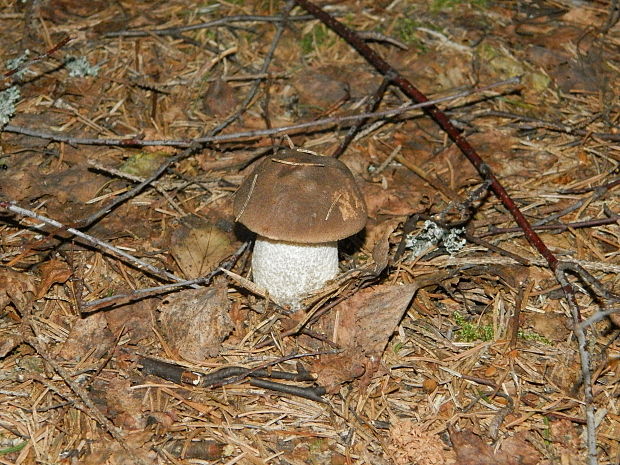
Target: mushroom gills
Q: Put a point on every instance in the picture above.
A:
(288, 270)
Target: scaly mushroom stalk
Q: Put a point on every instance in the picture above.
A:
(289, 270)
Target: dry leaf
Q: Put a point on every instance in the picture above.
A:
(336, 369)
(320, 89)
(62, 10)
(495, 148)
(564, 373)
(111, 452)
(16, 288)
(134, 320)
(409, 444)
(516, 450)
(378, 238)
(564, 433)
(90, 333)
(198, 246)
(119, 403)
(405, 194)
(220, 99)
(368, 319)
(583, 15)
(73, 186)
(471, 449)
(196, 321)
(8, 342)
(19, 184)
(552, 326)
(52, 272)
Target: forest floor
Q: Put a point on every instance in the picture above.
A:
(125, 129)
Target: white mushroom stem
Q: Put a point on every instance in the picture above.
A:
(288, 270)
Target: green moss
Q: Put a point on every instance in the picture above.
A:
(500, 61)
(532, 336)
(518, 103)
(406, 29)
(441, 5)
(210, 34)
(546, 431)
(484, 396)
(398, 347)
(318, 445)
(318, 36)
(470, 332)
(536, 82)
(143, 163)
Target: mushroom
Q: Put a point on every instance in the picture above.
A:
(299, 204)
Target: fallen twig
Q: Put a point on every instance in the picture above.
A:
(121, 299)
(440, 118)
(536, 123)
(173, 31)
(584, 355)
(195, 145)
(493, 231)
(235, 374)
(372, 106)
(244, 135)
(38, 58)
(90, 240)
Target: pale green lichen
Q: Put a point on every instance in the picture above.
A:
(8, 98)
(16, 62)
(80, 67)
(431, 235)
(452, 240)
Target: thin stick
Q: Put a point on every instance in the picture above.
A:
(216, 22)
(372, 106)
(598, 316)
(584, 355)
(40, 57)
(120, 299)
(90, 240)
(136, 179)
(555, 227)
(536, 123)
(340, 121)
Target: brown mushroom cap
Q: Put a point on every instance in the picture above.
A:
(300, 197)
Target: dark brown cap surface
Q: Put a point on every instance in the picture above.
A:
(300, 197)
